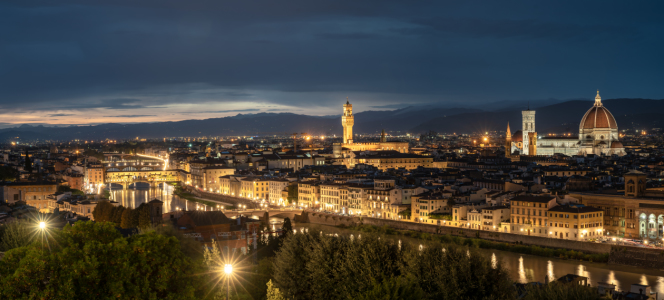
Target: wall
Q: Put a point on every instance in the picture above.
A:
(639, 257)
(492, 235)
(222, 198)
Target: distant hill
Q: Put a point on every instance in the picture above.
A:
(565, 116)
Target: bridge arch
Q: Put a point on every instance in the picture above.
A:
(129, 169)
(146, 169)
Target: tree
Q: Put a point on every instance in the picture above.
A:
(287, 227)
(292, 193)
(395, 288)
(273, 292)
(126, 219)
(8, 173)
(117, 214)
(560, 291)
(324, 267)
(144, 220)
(28, 162)
(103, 211)
(15, 234)
(92, 260)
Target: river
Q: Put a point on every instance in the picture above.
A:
(527, 268)
(133, 197)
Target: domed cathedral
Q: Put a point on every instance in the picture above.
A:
(347, 121)
(598, 134)
(598, 131)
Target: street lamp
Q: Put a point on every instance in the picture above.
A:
(228, 269)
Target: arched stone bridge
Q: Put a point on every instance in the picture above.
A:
(273, 213)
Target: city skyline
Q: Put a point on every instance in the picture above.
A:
(128, 62)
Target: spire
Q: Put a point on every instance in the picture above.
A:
(347, 100)
(509, 133)
(598, 99)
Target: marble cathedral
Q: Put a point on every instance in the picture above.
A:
(598, 134)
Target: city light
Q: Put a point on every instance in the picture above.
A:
(228, 269)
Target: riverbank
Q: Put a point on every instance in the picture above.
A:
(485, 244)
(191, 197)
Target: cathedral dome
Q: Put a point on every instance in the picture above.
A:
(616, 144)
(598, 117)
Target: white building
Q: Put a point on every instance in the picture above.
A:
(598, 134)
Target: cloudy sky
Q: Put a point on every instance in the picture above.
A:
(88, 62)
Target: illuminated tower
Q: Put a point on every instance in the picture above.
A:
(383, 137)
(532, 143)
(527, 127)
(347, 121)
(508, 142)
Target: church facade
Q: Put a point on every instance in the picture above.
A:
(348, 145)
(598, 134)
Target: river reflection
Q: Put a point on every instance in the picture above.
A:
(528, 268)
(134, 197)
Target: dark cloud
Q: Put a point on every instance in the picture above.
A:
(61, 115)
(393, 106)
(236, 110)
(348, 36)
(129, 116)
(148, 54)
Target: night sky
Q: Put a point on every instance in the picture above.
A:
(89, 62)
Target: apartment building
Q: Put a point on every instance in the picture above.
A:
(275, 188)
(575, 222)
(530, 214)
(308, 193)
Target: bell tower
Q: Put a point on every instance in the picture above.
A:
(347, 121)
(508, 142)
(527, 127)
(532, 143)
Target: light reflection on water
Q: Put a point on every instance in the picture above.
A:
(134, 197)
(528, 268)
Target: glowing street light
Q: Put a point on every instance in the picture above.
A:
(228, 269)
(42, 225)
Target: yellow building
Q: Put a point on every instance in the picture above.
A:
(33, 193)
(575, 222)
(331, 197)
(424, 204)
(254, 188)
(530, 214)
(384, 160)
(308, 193)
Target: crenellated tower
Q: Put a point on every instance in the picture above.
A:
(347, 121)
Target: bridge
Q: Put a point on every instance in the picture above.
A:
(153, 177)
(273, 213)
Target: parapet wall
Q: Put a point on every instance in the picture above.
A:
(639, 257)
(222, 198)
(492, 235)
